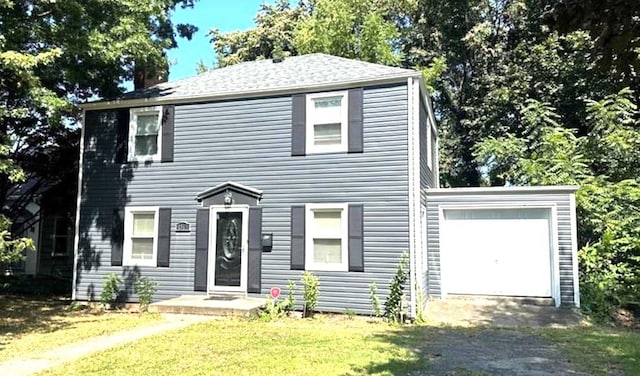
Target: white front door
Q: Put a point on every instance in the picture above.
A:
(497, 251)
(228, 246)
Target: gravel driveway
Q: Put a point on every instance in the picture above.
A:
(467, 352)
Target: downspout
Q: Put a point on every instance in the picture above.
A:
(411, 177)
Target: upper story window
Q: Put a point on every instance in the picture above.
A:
(145, 133)
(327, 122)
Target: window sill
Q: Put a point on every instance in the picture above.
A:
(145, 263)
(326, 268)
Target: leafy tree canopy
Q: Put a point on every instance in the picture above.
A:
(359, 29)
(56, 54)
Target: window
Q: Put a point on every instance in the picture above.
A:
(327, 122)
(327, 237)
(145, 133)
(61, 237)
(140, 236)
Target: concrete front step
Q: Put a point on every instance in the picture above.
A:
(501, 312)
(208, 305)
(536, 301)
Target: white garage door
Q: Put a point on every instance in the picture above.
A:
(496, 252)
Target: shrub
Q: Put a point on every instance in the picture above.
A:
(393, 307)
(145, 288)
(275, 309)
(310, 283)
(375, 302)
(110, 290)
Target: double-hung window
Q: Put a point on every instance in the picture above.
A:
(327, 237)
(327, 122)
(145, 134)
(140, 236)
(61, 238)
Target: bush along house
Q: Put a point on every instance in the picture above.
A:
(241, 178)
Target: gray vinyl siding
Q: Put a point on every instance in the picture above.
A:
(437, 199)
(249, 142)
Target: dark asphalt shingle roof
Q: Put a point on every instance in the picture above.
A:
(265, 75)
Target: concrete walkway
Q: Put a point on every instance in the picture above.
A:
(74, 351)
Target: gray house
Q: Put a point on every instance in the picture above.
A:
(240, 179)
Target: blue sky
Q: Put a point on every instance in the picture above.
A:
(226, 15)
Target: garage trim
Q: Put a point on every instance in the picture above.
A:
(555, 261)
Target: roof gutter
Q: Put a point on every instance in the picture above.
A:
(120, 103)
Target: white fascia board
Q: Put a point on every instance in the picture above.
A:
(510, 189)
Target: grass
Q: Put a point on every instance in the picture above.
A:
(599, 350)
(30, 326)
(322, 346)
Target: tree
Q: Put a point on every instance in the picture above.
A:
(54, 55)
(604, 163)
(275, 25)
(490, 58)
(613, 25)
(355, 29)
(359, 29)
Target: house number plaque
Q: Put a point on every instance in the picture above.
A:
(183, 227)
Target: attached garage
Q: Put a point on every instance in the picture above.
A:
(507, 241)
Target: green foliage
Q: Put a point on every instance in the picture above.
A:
(393, 307)
(275, 309)
(348, 28)
(291, 299)
(610, 231)
(358, 29)
(604, 163)
(350, 313)
(275, 25)
(145, 288)
(11, 248)
(375, 301)
(54, 55)
(110, 288)
(311, 286)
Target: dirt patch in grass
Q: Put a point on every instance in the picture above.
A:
(29, 326)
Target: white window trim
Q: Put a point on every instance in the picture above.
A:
(133, 122)
(310, 147)
(343, 266)
(129, 211)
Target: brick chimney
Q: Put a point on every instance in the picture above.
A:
(144, 78)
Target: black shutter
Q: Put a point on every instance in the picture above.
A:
(202, 250)
(122, 135)
(164, 236)
(355, 121)
(255, 250)
(297, 237)
(356, 246)
(117, 237)
(167, 133)
(298, 124)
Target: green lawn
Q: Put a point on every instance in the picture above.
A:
(30, 326)
(322, 346)
(599, 350)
